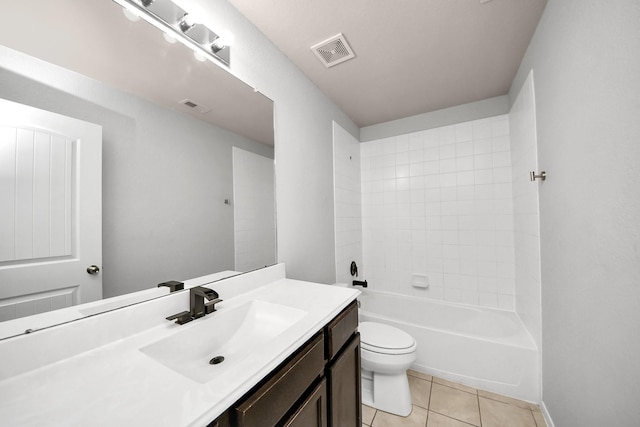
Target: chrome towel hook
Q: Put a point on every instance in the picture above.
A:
(542, 176)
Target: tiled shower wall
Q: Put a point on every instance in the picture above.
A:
(437, 209)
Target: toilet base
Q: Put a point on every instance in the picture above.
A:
(387, 392)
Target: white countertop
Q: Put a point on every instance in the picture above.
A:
(117, 384)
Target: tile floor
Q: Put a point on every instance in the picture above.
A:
(441, 403)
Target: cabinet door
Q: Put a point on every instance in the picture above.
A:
(345, 393)
(313, 411)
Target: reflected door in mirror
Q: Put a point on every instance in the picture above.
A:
(254, 210)
(50, 211)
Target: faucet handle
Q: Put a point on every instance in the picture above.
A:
(210, 307)
(181, 318)
(172, 285)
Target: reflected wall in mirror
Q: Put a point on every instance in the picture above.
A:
(175, 204)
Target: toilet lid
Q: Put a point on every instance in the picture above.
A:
(384, 337)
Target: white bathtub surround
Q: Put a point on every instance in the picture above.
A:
(93, 371)
(439, 203)
(526, 212)
(484, 348)
(347, 202)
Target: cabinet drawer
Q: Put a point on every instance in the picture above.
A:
(271, 401)
(340, 329)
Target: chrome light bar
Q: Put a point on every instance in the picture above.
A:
(179, 24)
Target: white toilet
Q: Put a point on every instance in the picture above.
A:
(387, 353)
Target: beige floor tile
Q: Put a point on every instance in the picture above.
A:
(420, 391)
(498, 414)
(419, 375)
(455, 403)
(539, 418)
(417, 418)
(438, 420)
(454, 385)
(509, 400)
(367, 414)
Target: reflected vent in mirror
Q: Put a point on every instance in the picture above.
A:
(194, 105)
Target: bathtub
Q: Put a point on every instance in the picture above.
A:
(481, 347)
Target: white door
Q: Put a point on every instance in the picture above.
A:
(50, 211)
(254, 210)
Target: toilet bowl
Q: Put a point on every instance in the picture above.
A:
(386, 354)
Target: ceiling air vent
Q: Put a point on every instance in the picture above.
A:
(333, 51)
(192, 105)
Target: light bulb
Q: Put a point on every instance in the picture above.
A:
(131, 14)
(199, 56)
(225, 39)
(169, 38)
(187, 22)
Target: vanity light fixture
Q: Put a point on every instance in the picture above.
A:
(187, 22)
(180, 25)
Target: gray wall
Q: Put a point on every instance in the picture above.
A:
(586, 61)
(165, 176)
(447, 116)
(304, 155)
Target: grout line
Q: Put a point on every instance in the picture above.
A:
(430, 396)
(536, 421)
(454, 388)
(426, 423)
(508, 403)
(455, 419)
(479, 410)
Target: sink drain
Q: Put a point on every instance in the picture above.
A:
(216, 360)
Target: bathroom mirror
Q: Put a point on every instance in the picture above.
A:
(172, 173)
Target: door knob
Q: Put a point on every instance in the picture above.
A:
(93, 269)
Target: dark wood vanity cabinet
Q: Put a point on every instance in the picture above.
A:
(318, 386)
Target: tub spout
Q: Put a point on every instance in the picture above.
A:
(360, 283)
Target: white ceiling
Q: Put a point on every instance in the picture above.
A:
(412, 56)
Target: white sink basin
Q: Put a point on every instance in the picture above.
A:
(231, 333)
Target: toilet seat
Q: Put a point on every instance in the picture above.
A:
(385, 339)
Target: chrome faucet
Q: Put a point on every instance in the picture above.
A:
(197, 307)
